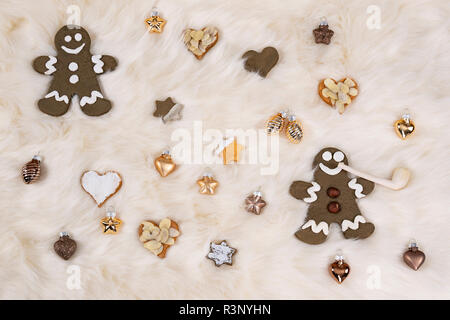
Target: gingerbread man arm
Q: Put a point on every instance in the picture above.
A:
(45, 64)
(361, 186)
(103, 63)
(305, 191)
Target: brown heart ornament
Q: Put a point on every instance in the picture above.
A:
(339, 269)
(414, 258)
(404, 127)
(65, 247)
(164, 164)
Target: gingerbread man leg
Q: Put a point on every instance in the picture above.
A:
(56, 102)
(313, 231)
(93, 103)
(359, 228)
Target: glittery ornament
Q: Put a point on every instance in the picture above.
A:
(322, 34)
(32, 170)
(65, 247)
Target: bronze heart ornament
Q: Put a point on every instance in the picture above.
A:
(404, 127)
(164, 164)
(339, 269)
(413, 257)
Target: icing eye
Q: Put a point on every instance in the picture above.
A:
(338, 156)
(326, 156)
(78, 36)
(67, 38)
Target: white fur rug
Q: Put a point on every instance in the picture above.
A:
(403, 64)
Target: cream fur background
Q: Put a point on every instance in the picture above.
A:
(403, 64)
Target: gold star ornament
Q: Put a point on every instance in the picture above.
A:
(207, 184)
(229, 150)
(110, 224)
(155, 23)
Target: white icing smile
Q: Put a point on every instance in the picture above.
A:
(73, 51)
(331, 172)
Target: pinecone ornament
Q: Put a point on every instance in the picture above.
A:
(32, 170)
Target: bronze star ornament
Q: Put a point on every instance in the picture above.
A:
(254, 203)
(155, 23)
(322, 34)
(207, 184)
(110, 224)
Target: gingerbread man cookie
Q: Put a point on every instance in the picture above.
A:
(74, 71)
(332, 199)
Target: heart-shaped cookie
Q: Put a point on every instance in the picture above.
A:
(338, 94)
(339, 270)
(200, 41)
(261, 62)
(101, 187)
(158, 238)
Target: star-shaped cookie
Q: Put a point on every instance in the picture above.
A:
(221, 253)
(207, 184)
(168, 110)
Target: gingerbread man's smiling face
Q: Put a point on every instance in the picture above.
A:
(328, 160)
(72, 40)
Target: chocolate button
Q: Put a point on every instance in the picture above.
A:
(334, 207)
(333, 192)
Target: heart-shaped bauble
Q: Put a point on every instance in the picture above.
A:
(200, 41)
(338, 94)
(404, 129)
(65, 247)
(261, 62)
(164, 165)
(157, 238)
(414, 258)
(101, 187)
(339, 270)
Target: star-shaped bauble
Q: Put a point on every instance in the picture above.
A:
(168, 110)
(254, 203)
(221, 253)
(155, 23)
(322, 34)
(110, 225)
(230, 150)
(207, 184)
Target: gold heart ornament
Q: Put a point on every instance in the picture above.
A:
(404, 127)
(164, 164)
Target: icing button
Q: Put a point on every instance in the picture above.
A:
(334, 207)
(333, 192)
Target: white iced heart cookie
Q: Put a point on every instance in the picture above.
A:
(101, 187)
